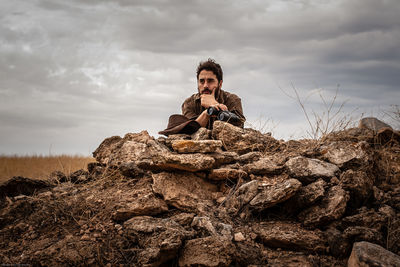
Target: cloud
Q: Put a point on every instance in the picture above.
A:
(98, 68)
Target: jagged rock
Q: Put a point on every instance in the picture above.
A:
(263, 166)
(368, 254)
(206, 227)
(223, 157)
(359, 233)
(290, 236)
(183, 191)
(209, 251)
(192, 146)
(57, 177)
(339, 246)
(79, 177)
(130, 169)
(242, 196)
(250, 157)
(242, 140)
(19, 185)
(270, 195)
(201, 134)
(226, 173)
(185, 162)
(160, 239)
(134, 147)
(386, 136)
(307, 170)
(373, 124)
(332, 207)
(291, 261)
(306, 196)
(345, 154)
(183, 218)
(141, 200)
(359, 184)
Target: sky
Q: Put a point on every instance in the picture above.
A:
(73, 73)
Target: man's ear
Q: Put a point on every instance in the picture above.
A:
(220, 84)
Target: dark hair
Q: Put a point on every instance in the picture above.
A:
(210, 65)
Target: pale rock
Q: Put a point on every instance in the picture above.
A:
(201, 134)
(242, 140)
(185, 191)
(373, 124)
(369, 254)
(250, 157)
(226, 174)
(263, 166)
(308, 170)
(290, 236)
(332, 207)
(192, 146)
(345, 153)
(239, 237)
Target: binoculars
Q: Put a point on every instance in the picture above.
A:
(223, 115)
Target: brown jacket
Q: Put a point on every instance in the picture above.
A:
(192, 108)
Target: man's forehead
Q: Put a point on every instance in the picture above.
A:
(207, 74)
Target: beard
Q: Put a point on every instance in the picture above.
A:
(207, 91)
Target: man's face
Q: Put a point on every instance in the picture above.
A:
(208, 82)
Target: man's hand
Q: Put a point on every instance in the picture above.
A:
(209, 101)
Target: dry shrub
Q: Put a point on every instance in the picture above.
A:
(39, 167)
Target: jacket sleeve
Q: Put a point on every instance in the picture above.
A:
(189, 109)
(234, 104)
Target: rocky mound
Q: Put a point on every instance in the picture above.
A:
(227, 197)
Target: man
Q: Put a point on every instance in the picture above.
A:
(210, 94)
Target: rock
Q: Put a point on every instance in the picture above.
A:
(332, 207)
(226, 174)
(131, 170)
(192, 146)
(359, 233)
(201, 134)
(160, 239)
(345, 154)
(308, 170)
(205, 227)
(208, 252)
(242, 196)
(185, 162)
(79, 177)
(105, 150)
(290, 236)
(19, 185)
(270, 195)
(57, 177)
(250, 157)
(373, 124)
(223, 157)
(359, 184)
(239, 237)
(306, 196)
(368, 254)
(184, 191)
(263, 166)
(386, 136)
(141, 200)
(242, 140)
(291, 261)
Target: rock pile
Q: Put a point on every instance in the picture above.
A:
(226, 197)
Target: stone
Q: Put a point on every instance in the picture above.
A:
(206, 227)
(242, 196)
(160, 239)
(208, 251)
(242, 140)
(290, 236)
(192, 146)
(201, 134)
(386, 136)
(369, 254)
(308, 170)
(223, 158)
(373, 124)
(19, 185)
(270, 195)
(184, 191)
(185, 162)
(105, 150)
(306, 196)
(141, 200)
(345, 154)
(79, 177)
(332, 207)
(131, 170)
(359, 184)
(360, 233)
(250, 157)
(239, 237)
(263, 166)
(226, 174)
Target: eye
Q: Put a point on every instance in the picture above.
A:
(201, 80)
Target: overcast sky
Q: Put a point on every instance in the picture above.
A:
(75, 72)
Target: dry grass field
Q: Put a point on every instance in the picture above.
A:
(39, 167)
